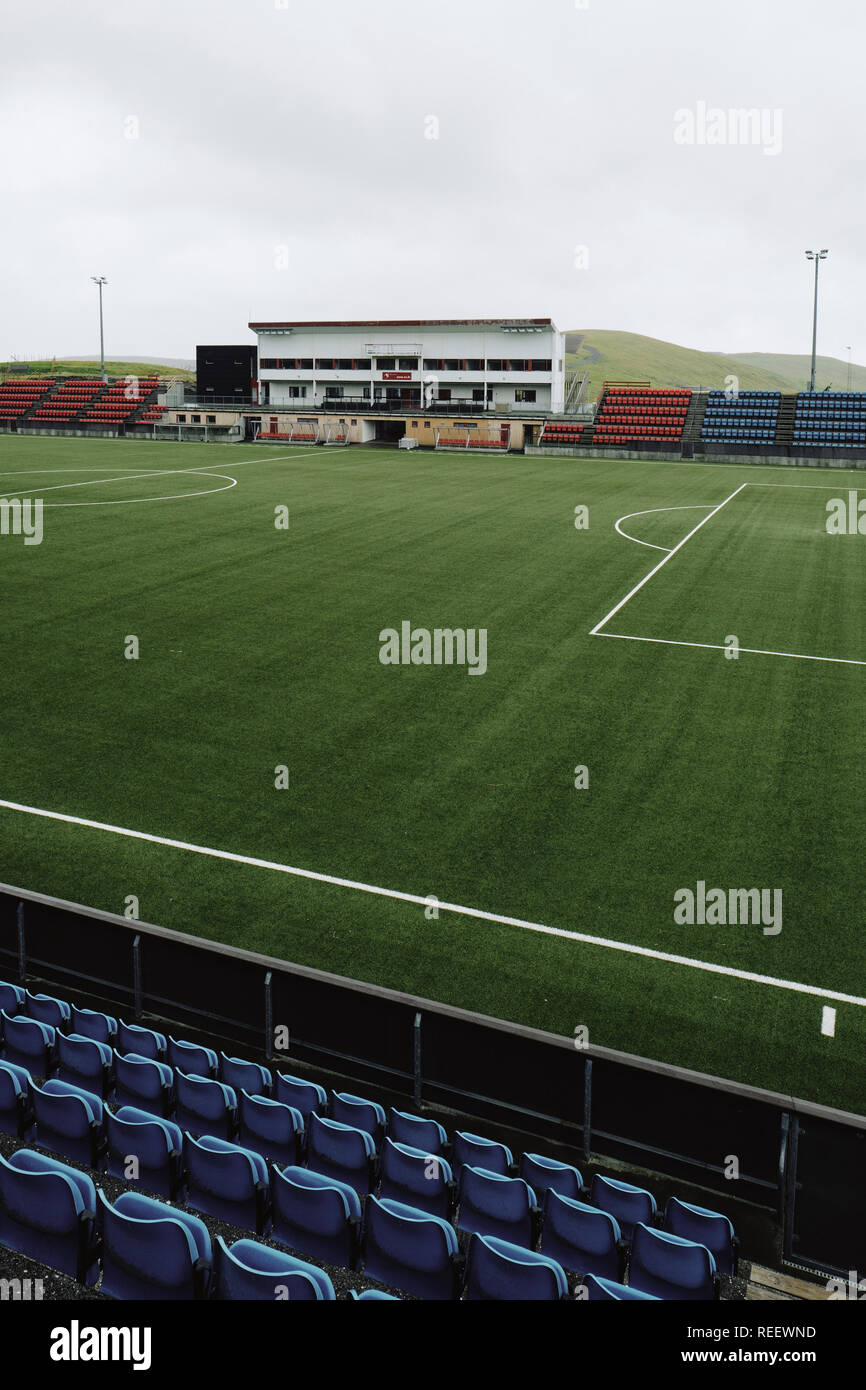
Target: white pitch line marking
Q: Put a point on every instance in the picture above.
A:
(828, 1023)
(719, 647)
(650, 512)
(596, 631)
(250, 862)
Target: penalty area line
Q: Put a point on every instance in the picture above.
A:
(251, 862)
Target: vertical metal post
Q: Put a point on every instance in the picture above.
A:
(790, 1186)
(22, 944)
(587, 1108)
(269, 1016)
(136, 974)
(417, 1058)
(815, 326)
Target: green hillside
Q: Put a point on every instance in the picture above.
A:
(610, 356)
(58, 368)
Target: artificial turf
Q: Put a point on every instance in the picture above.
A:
(259, 648)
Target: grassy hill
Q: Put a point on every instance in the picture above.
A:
(58, 368)
(610, 356)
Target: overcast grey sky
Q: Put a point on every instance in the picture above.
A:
(241, 159)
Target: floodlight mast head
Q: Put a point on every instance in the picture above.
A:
(817, 257)
(100, 280)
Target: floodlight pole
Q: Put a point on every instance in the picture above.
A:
(817, 257)
(100, 280)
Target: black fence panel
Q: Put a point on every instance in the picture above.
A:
(203, 988)
(828, 1230)
(498, 1069)
(334, 1024)
(650, 1117)
(75, 951)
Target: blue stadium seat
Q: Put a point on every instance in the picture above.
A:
(543, 1173)
(276, 1131)
(608, 1291)
(145, 1084)
(192, 1060)
(69, 1121)
(671, 1268)
(410, 1250)
(228, 1182)
(341, 1152)
(16, 1110)
(417, 1132)
(28, 1043)
(87, 1023)
(205, 1106)
(358, 1114)
(417, 1179)
(251, 1271)
(47, 1211)
(85, 1063)
(629, 1205)
(141, 1042)
(145, 1150)
(44, 1007)
(480, 1153)
(707, 1228)
(305, 1096)
(245, 1076)
(154, 1252)
(494, 1205)
(582, 1238)
(495, 1269)
(316, 1215)
(11, 998)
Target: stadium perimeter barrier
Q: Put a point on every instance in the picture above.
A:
(801, 1162)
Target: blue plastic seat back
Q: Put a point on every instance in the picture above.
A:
(608, 1291)
(341, 1152)
(496, 1269)
(46, 1213)
(358, 1114)
(44, 1007)
(580, 1237)
(628, 1204)
(669, 1267)
(151, 1251)
(251, 1271)
(316, 1215)
(11, 998)
(15, 1083)
(543, 1173)
(305, 1096)
(141, 1042)
(495, 1205)
(204, 1106)
(471, 1149)
(274, 1130)
(82, 1060)
(416, 1131)
(192, 1059)
(409, 1249)
(87, 1023)
(28, 1043)
(62, 1103)
(245, 1076)
(143, 1083)
(416, 1178)
(226, 1181)
(704, 1227)
(144, 1149)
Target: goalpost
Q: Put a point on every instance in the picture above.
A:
(337, 434)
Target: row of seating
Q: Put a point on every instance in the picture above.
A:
(648, 393)
(610, 434)
(478, 1179)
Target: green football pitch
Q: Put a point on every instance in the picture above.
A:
(717, 709)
